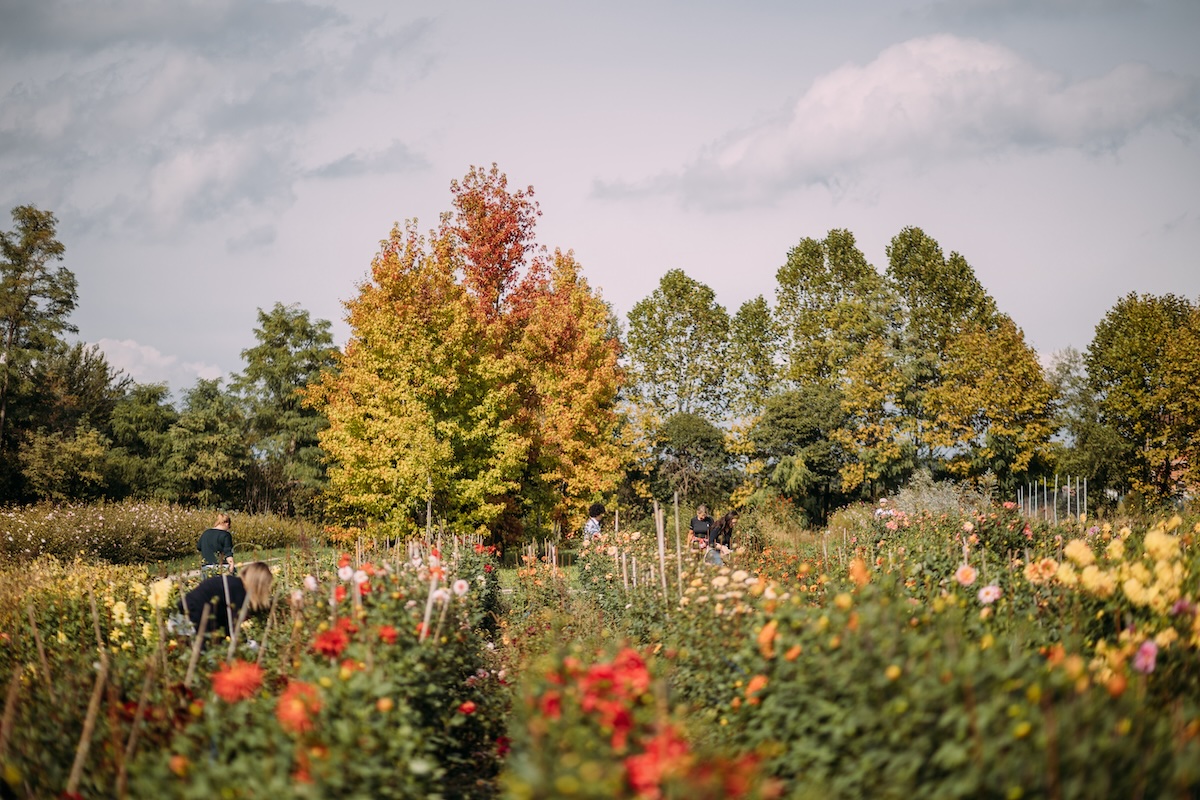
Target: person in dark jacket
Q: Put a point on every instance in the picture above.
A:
(216, 545)
(227, 595)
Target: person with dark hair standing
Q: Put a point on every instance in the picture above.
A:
(592, 526)
(216, 545)
(701, 524)
(722, 532)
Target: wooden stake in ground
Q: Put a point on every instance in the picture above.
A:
(10, 710)
(138, 716)
(41, 651)
(89, 726)
(197, 642)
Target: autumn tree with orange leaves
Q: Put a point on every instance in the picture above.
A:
(480, 378)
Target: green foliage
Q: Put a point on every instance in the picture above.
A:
(831, 303)
(61, 468)
(693, 460)
(794, 438)
(676, 346)
(209, 454)
(754, 342)
(1128, 368)
(35, 300)
(292, 352)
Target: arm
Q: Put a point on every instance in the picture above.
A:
(227, 548)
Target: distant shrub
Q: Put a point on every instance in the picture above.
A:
(130, 532)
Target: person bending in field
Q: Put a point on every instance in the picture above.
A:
(216, 546)
(700, 525)
(722, 532)
(227, 595)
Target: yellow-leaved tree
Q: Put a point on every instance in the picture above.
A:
(479, 380)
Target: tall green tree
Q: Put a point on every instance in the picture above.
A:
(940, 298)
(693, 460)
(875, 434)
(795, 440)
(1182, 403)
(830, 304)
(753, 371)
(209, 453)
(62, 467)
(140, 458)
(1128, 369)
(676, 346)
(36, 297)
(1088, 448)
(293, 350)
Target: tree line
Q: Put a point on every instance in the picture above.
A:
(486, 385)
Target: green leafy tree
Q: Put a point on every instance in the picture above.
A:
(62, 467)
(676, 346)
(1090, 448)
(74, 384)
(802, 459)
(287, 469)
(209, 454)
(752, 375)
(940, 298)
(36, 297)
(1127, 368)
(830, 304)
(141, 461)
(693, 460)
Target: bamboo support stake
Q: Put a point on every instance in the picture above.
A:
(237, 630)
(41, 650)
(10, 709)
(197, 641)
(662, 556)
(89, 725)
(262, 646)
(138, 716)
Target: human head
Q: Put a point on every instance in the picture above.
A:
(596, 510)
(223, 521)
(701, 510)
(256, 577)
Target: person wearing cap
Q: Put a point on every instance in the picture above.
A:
(592, 526)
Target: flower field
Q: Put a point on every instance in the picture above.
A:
(941, 655)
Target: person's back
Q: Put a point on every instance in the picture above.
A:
(216, 544)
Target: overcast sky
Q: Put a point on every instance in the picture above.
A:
(207, 158)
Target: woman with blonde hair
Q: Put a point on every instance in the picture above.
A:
(227, 595)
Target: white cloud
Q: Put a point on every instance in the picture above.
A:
(145, 364)
(923, 101)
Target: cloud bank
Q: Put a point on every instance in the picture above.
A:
(922, 102)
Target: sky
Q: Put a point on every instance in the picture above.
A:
(209, 158)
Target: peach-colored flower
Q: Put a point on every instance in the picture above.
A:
(965, 575)
(297, 706)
